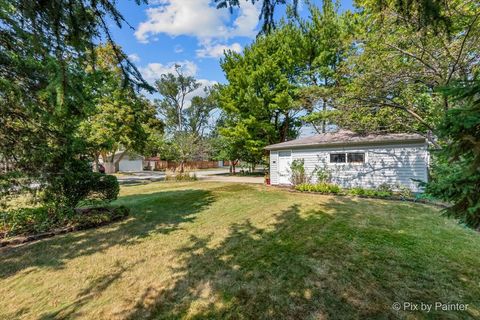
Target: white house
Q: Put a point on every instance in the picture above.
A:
(355, 160)
(130, 163)
(123, 161)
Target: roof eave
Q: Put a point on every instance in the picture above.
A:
(336, 144)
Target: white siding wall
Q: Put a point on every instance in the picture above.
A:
(273, 167)
(392, 164)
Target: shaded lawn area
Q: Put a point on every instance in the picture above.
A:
(207, 250)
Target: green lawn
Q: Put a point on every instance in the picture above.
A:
(206, 250)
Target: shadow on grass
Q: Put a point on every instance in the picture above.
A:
(93, 290)
(154, 213)
(310, 265)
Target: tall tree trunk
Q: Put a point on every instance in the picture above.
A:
(95, 162)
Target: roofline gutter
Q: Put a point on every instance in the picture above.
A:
(347, 144)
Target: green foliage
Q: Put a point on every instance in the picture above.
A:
(31, 221)
(174, 87)
(181, 176)
(456, 167)
(98, 216)
(80, 183)
(297, 172)
(119, 117)
(267, 12)
(259, 103)
(384, 187)
(319, 187)
(325, 45)
(404, 192)
(48, 89)
(323, 174)
(397, 67)
(186, 146)
(104, 188)
(383, 191)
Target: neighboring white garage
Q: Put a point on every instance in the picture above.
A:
(131, 163)
(355, 160)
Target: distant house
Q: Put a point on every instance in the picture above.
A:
(130, 162)
(123, 161)
(355, 160)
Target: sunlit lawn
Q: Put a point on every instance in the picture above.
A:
(205, 250)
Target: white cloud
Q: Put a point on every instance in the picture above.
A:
(134, 57)
(198, 18)
(153, 71)
(217, 50)
(200, 92)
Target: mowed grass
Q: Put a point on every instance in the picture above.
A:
(207, 250)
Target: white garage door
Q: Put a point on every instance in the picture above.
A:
(130, 165)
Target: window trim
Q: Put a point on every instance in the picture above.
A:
(358, 163)
(365, 158)
(335, 163)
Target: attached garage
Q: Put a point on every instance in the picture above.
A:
(355, 160)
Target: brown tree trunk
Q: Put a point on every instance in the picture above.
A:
(95, 162)
(234, 163)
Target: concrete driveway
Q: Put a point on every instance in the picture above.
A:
(210, 175)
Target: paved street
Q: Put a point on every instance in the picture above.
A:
(210, 174)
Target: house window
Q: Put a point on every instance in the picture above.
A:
(356, 157)
(337, 157)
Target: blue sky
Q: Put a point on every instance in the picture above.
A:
(192, 33)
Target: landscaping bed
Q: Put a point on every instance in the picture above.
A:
(382, 192)
(30, 224)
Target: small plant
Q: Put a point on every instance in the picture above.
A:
(186, 175)
(323, 174)
(322, 187)
(404, 192)
(372, 193)
(384, 187)
(357, 191)
(298, 175)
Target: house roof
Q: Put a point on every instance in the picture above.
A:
(345, 137)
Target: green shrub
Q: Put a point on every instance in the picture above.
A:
(28, 221)
(381, 192)
(323, 174)
(297, 172)
(79, 184)
(103, 188)
(98, 216)
(319, 187)
(384, 187)
(33, 220)
(357, 191)
(404, 192)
